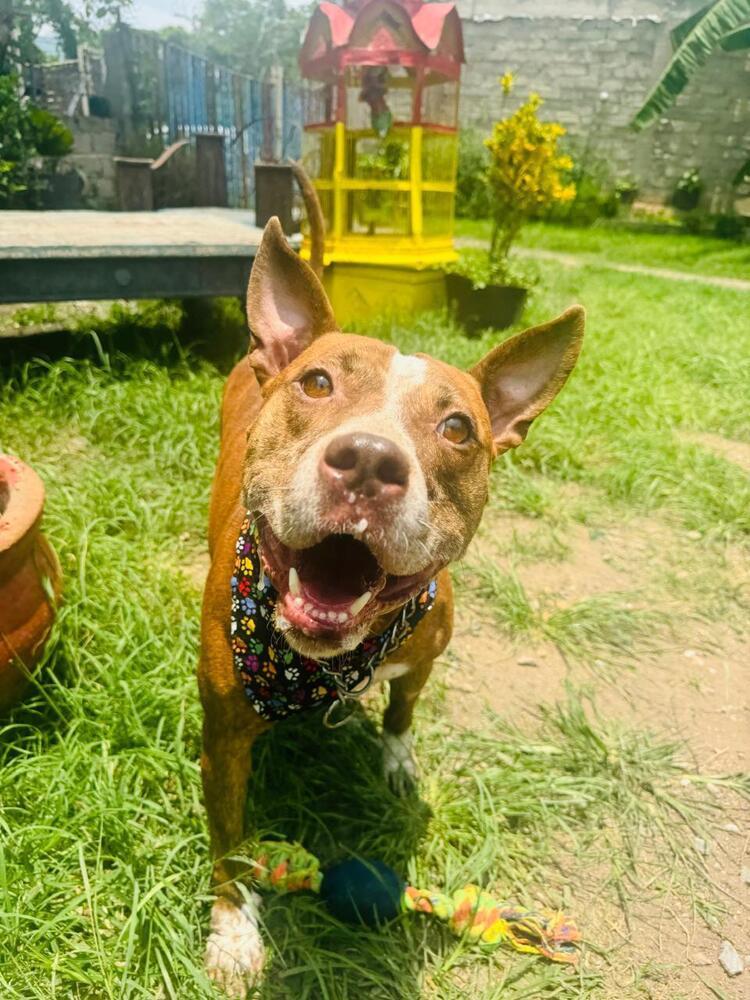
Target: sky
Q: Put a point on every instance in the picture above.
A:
(154, 14)
(149, 14)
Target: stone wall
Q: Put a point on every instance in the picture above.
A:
(86, 177)
(92, 156)
(594, 62)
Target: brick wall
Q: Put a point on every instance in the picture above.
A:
(594, 62)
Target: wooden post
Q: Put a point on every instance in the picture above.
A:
(239, 139)
(278, 113)
(118, 55)
(135, 184)
(211, 170)
(274, 194)
(266, 114)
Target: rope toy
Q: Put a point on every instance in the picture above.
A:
(371, 893)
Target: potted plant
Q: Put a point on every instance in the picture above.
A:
(688, 191)
(478, 301)
(626, 191)
(741, 185)
(526, 175)
(30, 578)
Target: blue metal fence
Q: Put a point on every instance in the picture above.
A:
(177, 94)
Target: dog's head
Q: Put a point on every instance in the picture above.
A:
(367, 470)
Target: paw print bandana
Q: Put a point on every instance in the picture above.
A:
(279, 681)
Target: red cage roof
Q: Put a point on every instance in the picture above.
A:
(382, 32)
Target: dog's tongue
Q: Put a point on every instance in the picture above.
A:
(338, 571)
(334, 586)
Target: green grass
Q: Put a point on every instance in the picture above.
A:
(700, 254)
(104, 866)
(658, 358)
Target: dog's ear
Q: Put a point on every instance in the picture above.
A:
(522, 376)
(287, 307)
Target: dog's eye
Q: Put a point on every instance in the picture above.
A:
(456, 429)
(317, 385)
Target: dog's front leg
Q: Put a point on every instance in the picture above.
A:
(399, 765)
(234, 951)
(407, 678)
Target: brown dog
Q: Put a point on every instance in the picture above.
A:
(365, 472)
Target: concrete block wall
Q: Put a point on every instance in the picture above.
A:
(594, 62)
(92, 156)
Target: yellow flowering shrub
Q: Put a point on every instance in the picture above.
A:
(526, 173)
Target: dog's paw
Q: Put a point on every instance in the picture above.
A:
(234, 950)
(399, 766)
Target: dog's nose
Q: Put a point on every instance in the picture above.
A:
(367, 463)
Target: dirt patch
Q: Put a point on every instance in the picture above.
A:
(195, 566)
(597, 560)
(76, 445)
(668, 952)
(737, 452)
(484, 670)
(694, 688)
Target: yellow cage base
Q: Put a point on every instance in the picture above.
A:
(358, 292)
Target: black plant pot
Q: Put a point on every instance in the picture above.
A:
(687, 200)
(495, 306)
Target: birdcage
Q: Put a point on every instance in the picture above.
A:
(381, 116)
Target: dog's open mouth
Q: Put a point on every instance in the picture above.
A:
(335, 586)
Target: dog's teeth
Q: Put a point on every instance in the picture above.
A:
(343, 616)
(361, 526)
(298, 601)
(308, 607)
(294, 587)
(351, 497)
(357, 606)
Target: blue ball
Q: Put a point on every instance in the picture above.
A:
(362, 892)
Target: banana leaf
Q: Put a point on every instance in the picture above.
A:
(679, 34)
(737, 40)
(723, 18)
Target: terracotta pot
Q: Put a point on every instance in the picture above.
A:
(29, 572)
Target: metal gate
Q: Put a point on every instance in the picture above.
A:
(161, 92)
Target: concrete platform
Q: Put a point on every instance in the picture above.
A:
(173, 253)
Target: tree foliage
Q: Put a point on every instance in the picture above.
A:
(22, 20)
(26, 133)
(249, 35)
